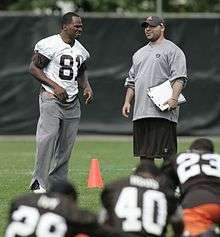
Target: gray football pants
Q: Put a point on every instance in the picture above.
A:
(56, 133)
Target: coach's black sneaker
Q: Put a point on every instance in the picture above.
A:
(36, 188)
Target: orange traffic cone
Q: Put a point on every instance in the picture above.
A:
(95, 178)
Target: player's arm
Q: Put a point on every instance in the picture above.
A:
(38, 63)
(107, 197)
(176, 221)
(168, 175)
(174, 211)
(84, 84)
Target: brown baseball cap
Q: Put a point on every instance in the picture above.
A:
(153, 21)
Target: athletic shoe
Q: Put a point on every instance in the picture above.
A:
(37, 188)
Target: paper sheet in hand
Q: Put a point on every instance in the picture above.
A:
(161, 93)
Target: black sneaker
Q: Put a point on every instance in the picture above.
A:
(36, 188)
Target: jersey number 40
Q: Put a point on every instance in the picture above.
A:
(151, 216)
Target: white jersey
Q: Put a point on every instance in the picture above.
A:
(64, 62)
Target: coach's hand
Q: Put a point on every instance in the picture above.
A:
(172, 102)
(126, 109)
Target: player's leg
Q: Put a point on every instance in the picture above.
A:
(46, 139)
(68, 132)
(59, 166)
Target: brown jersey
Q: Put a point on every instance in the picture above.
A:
(137, 205)
(198, 175)
(47, 215)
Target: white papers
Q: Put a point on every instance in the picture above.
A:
(161, 93)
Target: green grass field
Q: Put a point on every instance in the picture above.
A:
(114, 155)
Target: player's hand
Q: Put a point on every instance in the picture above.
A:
(126, 109)
(172, 102)
(60, 93)
(88, 95)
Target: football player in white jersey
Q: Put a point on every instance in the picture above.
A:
(58, 63)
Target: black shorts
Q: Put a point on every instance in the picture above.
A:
(154, 138)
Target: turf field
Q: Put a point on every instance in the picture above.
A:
(114, 155)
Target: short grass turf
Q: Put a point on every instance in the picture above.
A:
(114, 155)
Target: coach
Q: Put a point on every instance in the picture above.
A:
(154, 131)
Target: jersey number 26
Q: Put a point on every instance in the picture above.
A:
(27, 221)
